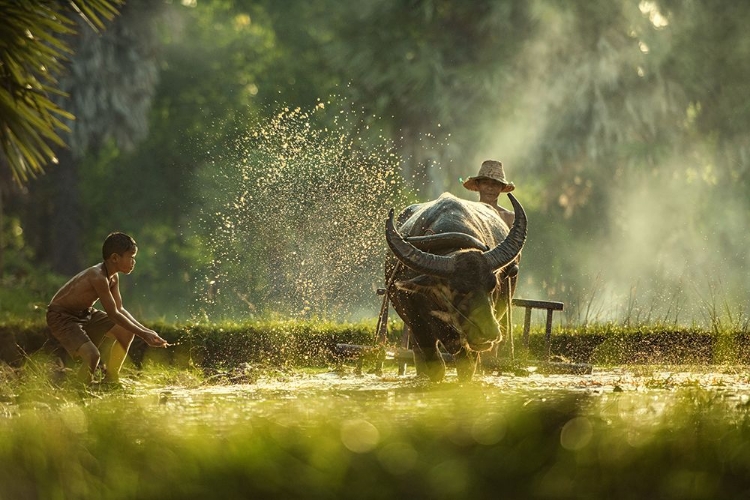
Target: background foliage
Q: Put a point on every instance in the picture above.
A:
(622, 124)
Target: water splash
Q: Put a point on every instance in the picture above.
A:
(298, 223)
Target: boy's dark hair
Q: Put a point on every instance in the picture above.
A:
(118, 243)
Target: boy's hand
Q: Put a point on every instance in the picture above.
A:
(154, 340)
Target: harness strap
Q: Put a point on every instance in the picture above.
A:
(382, 328)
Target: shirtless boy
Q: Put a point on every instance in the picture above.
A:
(80, 328)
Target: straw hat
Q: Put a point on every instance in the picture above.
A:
(490, 169)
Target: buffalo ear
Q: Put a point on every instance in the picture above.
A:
(420, 284)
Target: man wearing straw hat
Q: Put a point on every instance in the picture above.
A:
(490, 182)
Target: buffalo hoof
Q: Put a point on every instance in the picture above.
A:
(466, 365)
(434, 370)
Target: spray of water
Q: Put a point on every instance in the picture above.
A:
(298, 225)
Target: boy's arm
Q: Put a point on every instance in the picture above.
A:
(112, 303)
(153, 339)
(118, 303)
(131, 318)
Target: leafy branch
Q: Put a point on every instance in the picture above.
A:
(33, 51)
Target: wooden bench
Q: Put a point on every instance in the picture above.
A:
(551, 307)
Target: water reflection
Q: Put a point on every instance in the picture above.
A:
(475, 409)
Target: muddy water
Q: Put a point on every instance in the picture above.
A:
(297, 397)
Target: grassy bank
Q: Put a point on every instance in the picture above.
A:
(297, 343)
(290, 343)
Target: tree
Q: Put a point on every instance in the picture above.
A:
(431, 68)
(33, 49)
(32, 54)
(109, 84)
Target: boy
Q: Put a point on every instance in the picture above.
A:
(80, 328)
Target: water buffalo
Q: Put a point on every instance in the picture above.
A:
(447, 278)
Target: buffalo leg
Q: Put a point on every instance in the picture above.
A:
(466, 364)
(429, 362)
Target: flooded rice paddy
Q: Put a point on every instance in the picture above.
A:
(624, 432)
(295, 397)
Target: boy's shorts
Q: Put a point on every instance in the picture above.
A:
(75, 328)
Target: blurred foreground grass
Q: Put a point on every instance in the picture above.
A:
(221, 416)
(168, 435)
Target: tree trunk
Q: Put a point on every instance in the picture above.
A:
(65, 219)
(2, 237)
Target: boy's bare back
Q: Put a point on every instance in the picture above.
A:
(81, 291)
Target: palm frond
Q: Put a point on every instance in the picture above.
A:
(32, 53)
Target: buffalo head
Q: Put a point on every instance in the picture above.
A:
(462, 285)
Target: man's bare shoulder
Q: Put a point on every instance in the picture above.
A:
(503, 210)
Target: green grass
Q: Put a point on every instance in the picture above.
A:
(444, 441)
(291, 343)
(178, 429)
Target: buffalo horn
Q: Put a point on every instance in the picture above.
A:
(504, 253)
(413, 257)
